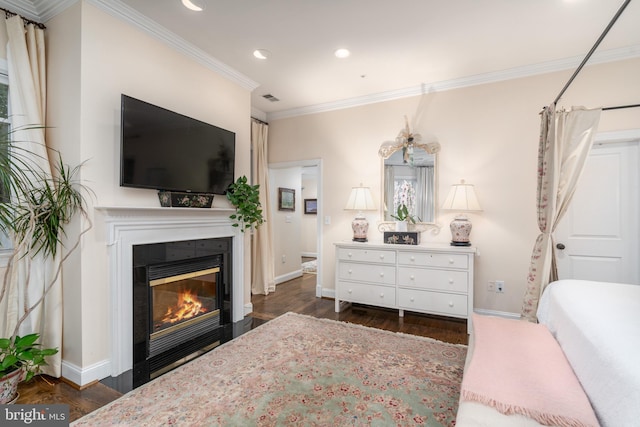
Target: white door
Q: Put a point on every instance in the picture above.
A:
(598, 236)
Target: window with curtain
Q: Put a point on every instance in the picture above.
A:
(5, 125)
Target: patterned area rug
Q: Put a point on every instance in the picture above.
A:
(302, 371)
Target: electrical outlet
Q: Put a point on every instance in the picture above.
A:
(491, 286)
(500, 286)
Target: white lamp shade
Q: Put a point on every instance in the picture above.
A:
(360, 200)
(462, 198)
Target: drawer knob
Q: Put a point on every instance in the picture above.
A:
(412, 277)
(349, 254)
(350, 290)
(451, 281)
(381, 294)
(382, 256)
(412, 299)
(451, 261)
(350, 271)
(412, 258)
(450, 303)
(382, 274)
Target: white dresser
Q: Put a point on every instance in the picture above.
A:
(435, 279)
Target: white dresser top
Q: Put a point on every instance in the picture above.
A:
(440, 247)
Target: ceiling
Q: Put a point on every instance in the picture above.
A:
(398, 48)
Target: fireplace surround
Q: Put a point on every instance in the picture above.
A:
(127, 227)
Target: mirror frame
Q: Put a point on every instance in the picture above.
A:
(385, 151)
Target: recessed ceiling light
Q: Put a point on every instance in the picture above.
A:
(261, 53)
(342, 53)
(196, 5)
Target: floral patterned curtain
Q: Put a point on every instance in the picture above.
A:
(565, 141)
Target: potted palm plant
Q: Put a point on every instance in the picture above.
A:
(246, 199)
(35, 209)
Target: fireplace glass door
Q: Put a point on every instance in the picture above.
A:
(181, 302)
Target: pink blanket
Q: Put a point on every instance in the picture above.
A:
(518, 367)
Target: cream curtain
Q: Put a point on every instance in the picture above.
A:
(565, 141)
(424, 193)
(389, 190)
(29, 277)
(262, 275)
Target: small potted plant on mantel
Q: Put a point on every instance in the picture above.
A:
(35, 215)
(246, 199)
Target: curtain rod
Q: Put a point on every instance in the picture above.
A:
(620, 107)
(595, 46)
(260, 121)
(9, 14)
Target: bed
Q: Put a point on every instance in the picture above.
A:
(587, 330)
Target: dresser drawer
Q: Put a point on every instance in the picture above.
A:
(441, 280)
(367, 255)
(374, 273)
(433, 302)
(383, 296)
(433, 259)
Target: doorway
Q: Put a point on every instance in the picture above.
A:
(291, 225)
(598, 238)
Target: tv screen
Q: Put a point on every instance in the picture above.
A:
(164, 150)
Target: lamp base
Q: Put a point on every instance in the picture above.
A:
(360, 227)
(460, 230)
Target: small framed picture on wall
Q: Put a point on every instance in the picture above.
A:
(311, 206)
(286, 199)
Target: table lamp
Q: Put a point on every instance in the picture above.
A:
(462, 198)
(360, 200)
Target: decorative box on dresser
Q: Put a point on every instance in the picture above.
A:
(434, 279)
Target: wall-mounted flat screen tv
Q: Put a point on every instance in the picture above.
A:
(164, 150)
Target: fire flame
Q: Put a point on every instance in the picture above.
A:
(188, 306)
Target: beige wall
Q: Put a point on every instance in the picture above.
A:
(93, 59)
(489, 136)
(286, 225)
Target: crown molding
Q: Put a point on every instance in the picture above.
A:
(43, 10)
(48, 9)
(121, 11)
(37, 10)
(612, 55)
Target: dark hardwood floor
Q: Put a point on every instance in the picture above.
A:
(298, 296)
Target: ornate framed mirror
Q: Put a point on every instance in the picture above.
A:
(409, 172)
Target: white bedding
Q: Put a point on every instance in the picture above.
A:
(598, 327)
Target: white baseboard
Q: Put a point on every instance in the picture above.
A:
(328, 293)
(505, 314)
(289, 276)
(248, 308)
(84, 376)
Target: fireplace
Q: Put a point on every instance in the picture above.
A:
(181, 303)
(122, 228)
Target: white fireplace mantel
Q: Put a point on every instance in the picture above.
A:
(129, 226)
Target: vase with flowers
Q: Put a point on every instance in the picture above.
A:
(404, 218)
